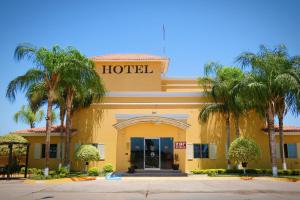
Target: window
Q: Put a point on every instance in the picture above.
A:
(290, 150)
(100, 147)
(201, 151)
(52, 152)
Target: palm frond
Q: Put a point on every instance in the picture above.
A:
(23, 82)
(210, 109)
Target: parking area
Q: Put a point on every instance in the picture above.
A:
(152, 188)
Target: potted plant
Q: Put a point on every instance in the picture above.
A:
(175, 165)
(132, 167)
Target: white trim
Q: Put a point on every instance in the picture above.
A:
(152, 103)
(156, 94)
(174, 116)
(181, 78)
(128, 60)
(36, 134)
(285, 133)
(180, 85)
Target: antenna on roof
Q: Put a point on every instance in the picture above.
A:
(164, 39)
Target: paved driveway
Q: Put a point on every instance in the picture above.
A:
(152, 188)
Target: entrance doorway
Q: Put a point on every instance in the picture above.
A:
(152, 153)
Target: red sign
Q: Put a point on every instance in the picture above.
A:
(180, 145)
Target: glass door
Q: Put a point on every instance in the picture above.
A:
(152, 153)
(166, 153)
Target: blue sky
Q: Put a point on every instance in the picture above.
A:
(196, 32)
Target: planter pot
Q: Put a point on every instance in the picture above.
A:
(175, 166)
(244, 164)
(131, 170)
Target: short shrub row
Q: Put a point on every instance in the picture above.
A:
(213, 172)
(95, 171)
(38, 174)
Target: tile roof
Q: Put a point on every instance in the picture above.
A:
(129, 57)
(40, 130)
(285, 128)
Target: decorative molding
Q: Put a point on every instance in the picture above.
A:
(156, 94)
(151, 119)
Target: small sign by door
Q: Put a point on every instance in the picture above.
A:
(180, 145)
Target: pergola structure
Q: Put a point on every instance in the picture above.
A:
(10, 156)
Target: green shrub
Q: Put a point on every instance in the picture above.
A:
(38, 177)
(62, 172)
(212, 173)
(52, 173)
(35, 171)
(244, 150)
(22, 170)
(94, 171)
(221, 171)
(296, 172)
(107, 168)
(87, 153)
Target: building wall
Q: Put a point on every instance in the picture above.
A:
(156, 96)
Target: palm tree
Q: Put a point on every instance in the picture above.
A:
(81, 85)
(37, 97)
(220, 87)
(270, 79)
(28, 116)
(48, 66)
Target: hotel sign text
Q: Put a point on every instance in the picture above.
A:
(126, 69)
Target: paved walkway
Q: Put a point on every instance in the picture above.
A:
(153, 188)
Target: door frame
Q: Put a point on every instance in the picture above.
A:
(159, 160)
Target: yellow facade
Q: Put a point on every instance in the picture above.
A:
(142, 103)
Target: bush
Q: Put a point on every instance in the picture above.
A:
(87, 153)
(244, 150)
(214, 172)
(35, 171)
(94, 171)
(107, 168)
(62, 172)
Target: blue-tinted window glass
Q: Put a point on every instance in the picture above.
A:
(204, 150)
(137, 152)
(196, 150)
(292, 150)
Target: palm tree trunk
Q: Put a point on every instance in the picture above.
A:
(237, 125)
(48, 130)
(69, 101)
(228, 140)
(281, 138)
(62, 117)
(272, 139)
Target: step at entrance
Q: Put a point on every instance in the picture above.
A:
(155, 173)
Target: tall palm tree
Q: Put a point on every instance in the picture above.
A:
(81, 85)
(37, 97)
(270, 79)
(28, 116)
(220, 87)
(48, 66)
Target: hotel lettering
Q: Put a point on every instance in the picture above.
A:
(126, 69)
